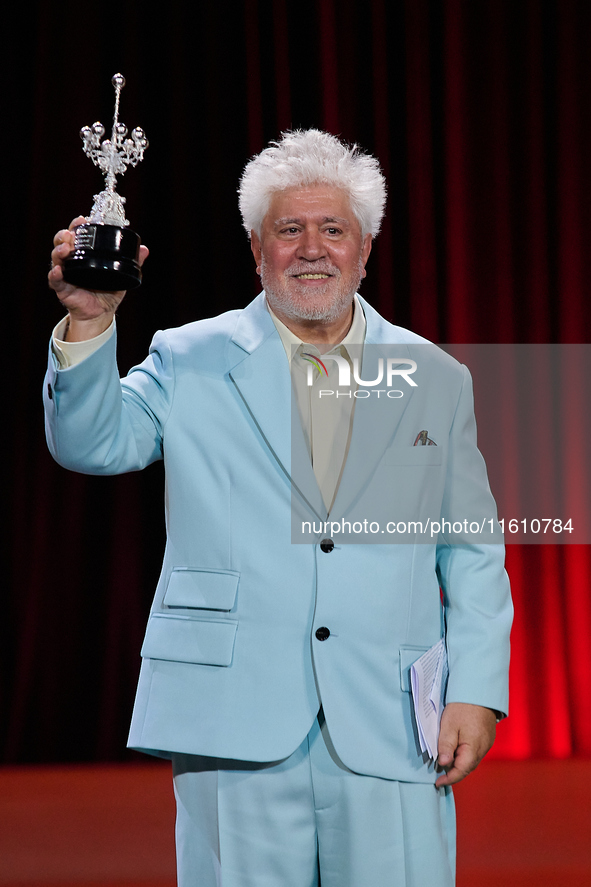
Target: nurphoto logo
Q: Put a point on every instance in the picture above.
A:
(396, 368)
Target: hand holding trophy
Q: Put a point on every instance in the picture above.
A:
(106, 251)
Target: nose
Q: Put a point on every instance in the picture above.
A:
(311, 245)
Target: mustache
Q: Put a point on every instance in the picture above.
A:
(312, 268)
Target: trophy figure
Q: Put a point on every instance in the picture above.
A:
(106, 251)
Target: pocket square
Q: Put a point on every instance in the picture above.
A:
(423, 440)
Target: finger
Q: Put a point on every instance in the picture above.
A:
(61, 252)
(63, 236)
(445, 756)
(144, 253)
(66, 235)
(55, 274)
(56, 282)
(464, 762)
(79, 220)
(454, 775)
(55, 279)
(447, 744)
(450, 778)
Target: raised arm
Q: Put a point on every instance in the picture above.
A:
(94, 423)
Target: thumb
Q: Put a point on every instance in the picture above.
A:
(446, 746)
(445, 756)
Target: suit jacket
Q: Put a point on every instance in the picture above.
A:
(232, 666)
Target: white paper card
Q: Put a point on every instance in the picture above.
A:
(428, 679)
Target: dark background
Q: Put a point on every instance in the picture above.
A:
(480, 114)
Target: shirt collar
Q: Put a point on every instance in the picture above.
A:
(291, 342)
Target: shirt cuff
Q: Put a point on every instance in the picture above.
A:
(69, 354)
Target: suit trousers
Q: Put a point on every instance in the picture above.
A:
(308, 821)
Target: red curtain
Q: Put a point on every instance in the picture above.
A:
(480, 113)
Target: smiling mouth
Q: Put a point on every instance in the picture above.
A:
(312, 276)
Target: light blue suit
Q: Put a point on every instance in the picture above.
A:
(232, 667)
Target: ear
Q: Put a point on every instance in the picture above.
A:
(255, 245)
(365, 251)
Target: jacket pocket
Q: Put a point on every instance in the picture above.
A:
(201, 589)
(185, 639)
(408, 655)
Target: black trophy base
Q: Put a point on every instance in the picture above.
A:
(105, 259)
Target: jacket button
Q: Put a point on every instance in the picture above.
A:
(327, 545)
(49, 391)
(322, 633)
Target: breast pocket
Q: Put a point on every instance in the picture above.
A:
(202, 589)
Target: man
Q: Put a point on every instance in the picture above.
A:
(275, 674)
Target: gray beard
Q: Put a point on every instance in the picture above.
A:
(296, 308)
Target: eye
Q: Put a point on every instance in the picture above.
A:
(333, 231)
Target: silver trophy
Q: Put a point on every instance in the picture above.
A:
(106, 250)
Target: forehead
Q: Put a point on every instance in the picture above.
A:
(310, 203)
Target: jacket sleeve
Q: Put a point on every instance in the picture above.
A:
(96, 423)
(475, 585)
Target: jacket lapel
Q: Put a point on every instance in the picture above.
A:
(376, 419)
(260, 372)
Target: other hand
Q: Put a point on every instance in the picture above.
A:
(467, 732)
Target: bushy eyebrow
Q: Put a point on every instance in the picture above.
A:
(326, 220)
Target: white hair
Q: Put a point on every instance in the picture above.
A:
(309, 157)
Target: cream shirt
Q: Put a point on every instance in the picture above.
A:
(327, 420)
